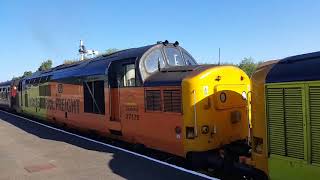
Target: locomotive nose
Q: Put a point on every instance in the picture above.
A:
(215, 106)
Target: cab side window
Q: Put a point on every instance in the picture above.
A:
(129, 76)
(123, 74)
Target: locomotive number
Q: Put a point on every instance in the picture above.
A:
(132, 111)
(132, 116)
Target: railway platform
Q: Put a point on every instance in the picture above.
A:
(29, 150)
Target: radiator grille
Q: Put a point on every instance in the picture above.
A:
(153, 100)
(294, 122)
(285, 122)
(275, 116)
(172, 100)
(314, 100)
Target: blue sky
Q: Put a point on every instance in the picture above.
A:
(33, 31)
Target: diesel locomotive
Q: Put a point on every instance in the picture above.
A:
(285, 117)
(156, 96)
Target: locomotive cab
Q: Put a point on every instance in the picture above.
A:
(162, 58)
(211, 101)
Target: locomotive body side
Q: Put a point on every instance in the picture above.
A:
(290, 147)
(259, 131)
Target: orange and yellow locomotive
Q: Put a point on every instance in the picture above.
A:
(156, 96)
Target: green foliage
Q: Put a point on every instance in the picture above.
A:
(227, 64)
(27, 74)
(248, 65)
(15, 78)
(46, 65)
(222, 63)
(111, 50)
(67, 61)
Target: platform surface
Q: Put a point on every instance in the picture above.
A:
(32, 151)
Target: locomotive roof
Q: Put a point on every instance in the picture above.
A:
(7, 83)
(174, 75)
(91, 67)
(303, 67)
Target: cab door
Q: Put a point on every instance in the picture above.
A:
(121, 74)
(114, 104)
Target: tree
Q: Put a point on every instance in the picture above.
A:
(111, 50)
(27, 74)
(227, 64)
(46, 65)
(15, 78)
(67, 61)
(248, 65)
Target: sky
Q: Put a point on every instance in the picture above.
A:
(32, 31)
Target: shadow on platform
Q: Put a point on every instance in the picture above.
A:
(123, 164)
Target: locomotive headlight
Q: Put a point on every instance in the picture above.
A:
(223, 97)
(205, 129)
(244, 95)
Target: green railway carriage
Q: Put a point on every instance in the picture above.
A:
(289, 145)
(33, 91)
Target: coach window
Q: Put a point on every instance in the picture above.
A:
(152, 61)
(174, 56)
(6, 93)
